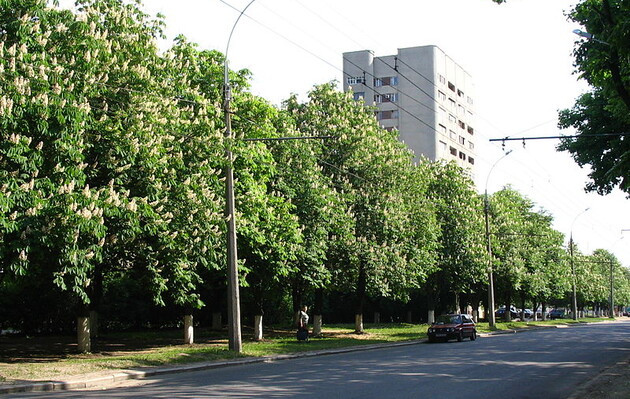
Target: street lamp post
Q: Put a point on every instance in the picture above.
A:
(234, 308)
(490, 311)
(574, 296)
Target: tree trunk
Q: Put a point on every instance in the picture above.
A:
(358, 323)
(317, 325)
(409, 316)
(258, 327)
(318, 309)
(430, 303)
(522, 306)
(296, 297)
(83, 334)
(475, 306)
(361, 286)
(93, 323)
(189, 330)
(542, 312)
(217, 324)
(377, 317)
(457, 307)
(508, 306)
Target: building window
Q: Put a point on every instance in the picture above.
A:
(386, 98)
(442, 146)
(387, 114)
(442, 79)
(359, 95)
(461, 124)
(461, 111)
(469, 100)
(391, 128)
(451, 103)
(441, 96)
(460, 93)
(353, 80)
(471, 160)
(387, 81)
(462, 156)
(451, 86)
(442, 129)
(462, 140)
(471, 130)
(453, 151)
(471, 145)
(452, 118)
(452, 135)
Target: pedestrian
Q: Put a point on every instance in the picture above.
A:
(302, 333)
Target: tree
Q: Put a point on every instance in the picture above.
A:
(462, 257)
(371, 170)
(602, 116)
(103, 155)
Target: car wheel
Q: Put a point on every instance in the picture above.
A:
(460, 336)
(473, 336)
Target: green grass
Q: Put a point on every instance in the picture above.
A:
(279, 341)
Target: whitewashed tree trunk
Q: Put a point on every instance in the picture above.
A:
(475, 314)
(217, 324)
(93, 323)
(358, 323)
(377, 317)
(258, 327)
(317, 325)
(189, 330)
(83, 335)
(431, 317)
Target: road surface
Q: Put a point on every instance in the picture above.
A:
(542, 364)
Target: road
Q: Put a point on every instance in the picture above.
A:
(542, 364)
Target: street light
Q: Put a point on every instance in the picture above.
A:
(490, 316)
(234, 308)
(574, 297)
(588, 36)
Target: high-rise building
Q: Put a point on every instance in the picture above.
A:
(422, 93)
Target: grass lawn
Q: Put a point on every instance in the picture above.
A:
(33, 359)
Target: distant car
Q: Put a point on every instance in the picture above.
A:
(557, 314)
(514, 313)
(452, 326)
(528, 314)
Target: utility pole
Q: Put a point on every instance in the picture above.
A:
(490, 311)
(234, 303)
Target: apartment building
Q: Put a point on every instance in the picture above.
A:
(423, 94)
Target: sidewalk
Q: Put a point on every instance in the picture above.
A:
(611, 383)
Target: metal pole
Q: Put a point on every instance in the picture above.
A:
(612, 291)
(234, 308)
(574, 296)
(490, 316)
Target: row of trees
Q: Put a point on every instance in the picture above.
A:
(111, 190)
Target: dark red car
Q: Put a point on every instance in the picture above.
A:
(452, 326)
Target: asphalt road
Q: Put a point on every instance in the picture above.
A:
(543, 364)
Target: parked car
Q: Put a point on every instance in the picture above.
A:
(500, 313)
(452, 326)
(557, 314)
(528, 314)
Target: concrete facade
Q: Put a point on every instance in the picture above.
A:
(423, 94)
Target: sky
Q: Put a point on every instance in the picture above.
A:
(519, 55)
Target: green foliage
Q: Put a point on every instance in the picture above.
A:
(604, 62)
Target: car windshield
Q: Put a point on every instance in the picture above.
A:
(449, 319)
